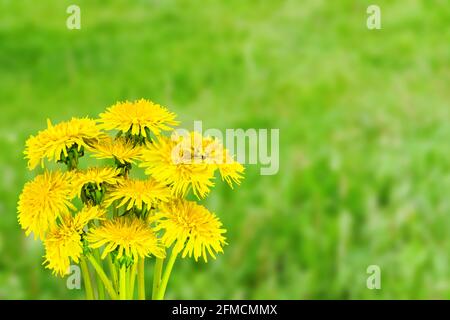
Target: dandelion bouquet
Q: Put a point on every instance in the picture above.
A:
(107, 221)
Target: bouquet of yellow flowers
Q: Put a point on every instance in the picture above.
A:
(108, 221)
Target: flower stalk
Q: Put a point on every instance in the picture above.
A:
(87, 279)
(141, 279)
(100, 285)
(157, 277)
(165, 279)
(104, 278)
(123, 283)
(133, 273)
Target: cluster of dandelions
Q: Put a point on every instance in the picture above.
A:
(108, 221)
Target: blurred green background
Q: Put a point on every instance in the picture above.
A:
(364, 130)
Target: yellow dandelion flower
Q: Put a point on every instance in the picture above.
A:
(165, 161)
(43, 200)
(194, 230)
(55, 141)
(211, 151)
(138, 193)
(199, 149)
(119, 149)
(130, 237)
(138, 118)
(63, 242)
(87, 214)
(230, 170)
(96, 176)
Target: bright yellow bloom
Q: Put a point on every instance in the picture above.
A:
(211, 151)
(185, 162)
(192, 228)
(132, 237)
(43, 200)
(96, 176)
(137, 193)
(87, 214)
(138, 116)
(165, 160)
(119, 149)
(230, 170)
(56, 140)
(64, 242)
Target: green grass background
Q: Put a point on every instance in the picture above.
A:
(364, 133)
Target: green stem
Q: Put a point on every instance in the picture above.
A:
(113, 270)
(108, 286)
(123, 283)
(115, 210)
(141, 279)
(132, 280)
(166, 276)
(86, 279)
(100, 286)
(157, 277)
